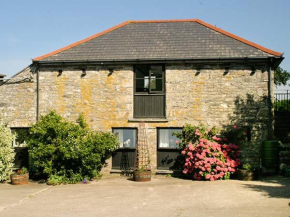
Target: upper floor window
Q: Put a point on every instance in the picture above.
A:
(149, 91)
(149, 79)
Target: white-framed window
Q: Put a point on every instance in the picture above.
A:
(21, 135)
(166, 139)
(127, 137)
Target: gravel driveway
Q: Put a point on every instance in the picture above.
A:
(163, 196)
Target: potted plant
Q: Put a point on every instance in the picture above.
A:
(142, 174)
(246, 173)
(142, 169)
(21, 177)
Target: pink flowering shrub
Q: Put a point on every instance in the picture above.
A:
(210, 158)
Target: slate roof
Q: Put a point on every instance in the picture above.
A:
(154, 40)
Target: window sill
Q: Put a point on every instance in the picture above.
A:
(126, 148)
(149, 120)
(168, 148)
(160, 171)
(121, 171)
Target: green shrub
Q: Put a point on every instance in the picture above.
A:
(57, 180)
(282, 105)
(7, 153)
(67, 152)
(247, 166)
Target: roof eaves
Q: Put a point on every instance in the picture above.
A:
(162, 21)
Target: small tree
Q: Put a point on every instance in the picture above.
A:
(7, 153)
(281, 76)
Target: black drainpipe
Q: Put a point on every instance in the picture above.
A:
(270, 103)
(37, 92)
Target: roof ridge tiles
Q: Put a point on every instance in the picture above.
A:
(162, 21)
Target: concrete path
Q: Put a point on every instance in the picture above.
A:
(163, 196)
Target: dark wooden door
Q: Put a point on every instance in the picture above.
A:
(150, 106)
(21, 157)
(123, 159)
(169, 159)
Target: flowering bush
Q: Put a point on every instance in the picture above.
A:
(210, 157)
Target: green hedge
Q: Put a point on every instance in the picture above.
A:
(282, 105)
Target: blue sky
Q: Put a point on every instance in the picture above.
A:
(32, 28)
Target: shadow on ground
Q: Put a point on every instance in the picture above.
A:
(272, 187)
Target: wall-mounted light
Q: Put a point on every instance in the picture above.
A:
(198, 70)
(253, 71)
(84, 73)
(227, 69)
(111, 70)
(59, 72)
(2, 79)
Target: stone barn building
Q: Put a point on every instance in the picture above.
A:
(166, 73)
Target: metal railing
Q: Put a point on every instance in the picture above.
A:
(282, 102)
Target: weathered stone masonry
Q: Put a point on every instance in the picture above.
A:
(212, 97)
(18, 99)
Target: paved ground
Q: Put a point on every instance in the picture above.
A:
(163, 196)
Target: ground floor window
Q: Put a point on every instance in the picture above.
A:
(21, 136)
(168, 154)
(127, 137)
(167, 139)
(124, 158)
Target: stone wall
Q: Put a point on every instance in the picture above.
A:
(216, 98)
(105, 97)
(18, 99)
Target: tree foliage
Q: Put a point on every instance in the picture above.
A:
(7, 153)
(68, 152)
(281, 76)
